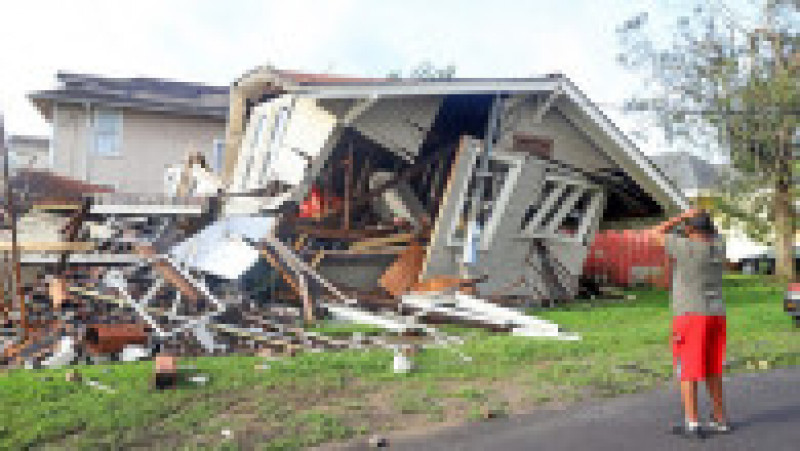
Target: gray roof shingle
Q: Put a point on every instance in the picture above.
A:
(149, 94)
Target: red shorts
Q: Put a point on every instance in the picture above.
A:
(698, 346)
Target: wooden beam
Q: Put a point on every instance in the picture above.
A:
(317, 259)
(383, 250)
(44, 246)
(273, 261)
(54, 206)
(308, 307)
(352, 234)
(301, 240)
(71, 232)
(169, 273)
(348, 187)
(380, 241)
(404, 175)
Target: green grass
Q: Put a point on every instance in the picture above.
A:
(316, 398)
(342, 329)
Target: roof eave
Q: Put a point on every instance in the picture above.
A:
(671, 198)
(44, 101)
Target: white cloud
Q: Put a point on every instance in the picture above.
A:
(213, 42)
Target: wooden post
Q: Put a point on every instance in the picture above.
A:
(348, 186)
(308, 307)
(14, 250)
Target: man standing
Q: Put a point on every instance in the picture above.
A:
(698, 325)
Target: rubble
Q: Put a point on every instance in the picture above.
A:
(396, 204)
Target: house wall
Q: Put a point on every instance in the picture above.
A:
(149, 143)
(570, 145)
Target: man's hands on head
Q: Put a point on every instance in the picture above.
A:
(691, 213)
(656, 234)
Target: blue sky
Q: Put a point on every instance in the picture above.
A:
(213, 42)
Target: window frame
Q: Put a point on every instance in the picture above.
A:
(97, 133)
(218, 154)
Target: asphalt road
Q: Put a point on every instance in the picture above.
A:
(764, 407)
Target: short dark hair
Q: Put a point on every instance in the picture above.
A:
(703, 223)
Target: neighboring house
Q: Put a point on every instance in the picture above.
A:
(694, 175)
(125, 132)
(29, 152)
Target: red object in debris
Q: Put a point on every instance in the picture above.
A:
(317, 204)
(627, 257)
(166, 363)
(112, 338)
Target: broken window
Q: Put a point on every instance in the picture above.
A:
(565, 209)
(498, 181)
(278, 130)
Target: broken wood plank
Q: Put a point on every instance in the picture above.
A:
(404, 272)
(50, 246)
(169, 273)
(273, 261)
(308, 307)
(318, 232)
(445, 283)
(380, 241)
(301, 240)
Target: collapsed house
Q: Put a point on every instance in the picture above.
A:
(399, 203)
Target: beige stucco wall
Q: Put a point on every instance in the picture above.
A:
(150, 142)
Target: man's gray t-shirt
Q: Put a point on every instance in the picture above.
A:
(696, 275)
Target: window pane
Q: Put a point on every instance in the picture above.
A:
(107, 128)
(107, 121)
(106, 144)
(218, 155)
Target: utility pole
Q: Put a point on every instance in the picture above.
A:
(12, 215)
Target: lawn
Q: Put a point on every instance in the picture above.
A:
(316, 398)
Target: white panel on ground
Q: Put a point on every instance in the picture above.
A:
(467, 307)
(64, 354)
(204, 337)
(356, 315)
(132, 353)
(218, 249)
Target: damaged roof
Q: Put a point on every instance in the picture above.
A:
(567, 97)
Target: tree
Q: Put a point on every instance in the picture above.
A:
(724, 85)
(426, 70)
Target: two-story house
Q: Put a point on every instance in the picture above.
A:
(125, 132)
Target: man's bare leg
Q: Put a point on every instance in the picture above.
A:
(689, 395)
(714, 386)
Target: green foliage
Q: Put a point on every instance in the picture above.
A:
(722, 84)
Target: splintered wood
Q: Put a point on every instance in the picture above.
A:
(404, 272)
